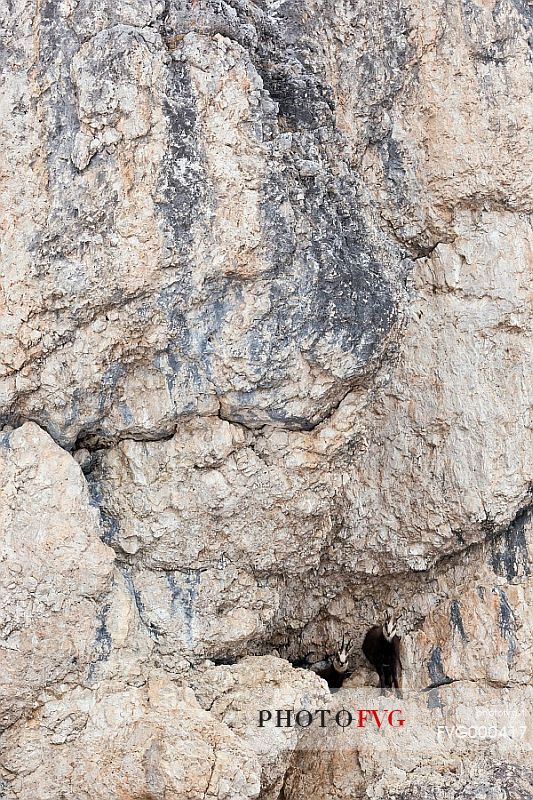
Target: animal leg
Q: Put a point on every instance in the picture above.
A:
(397, 686)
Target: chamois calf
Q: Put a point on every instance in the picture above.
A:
(381, 647)
(336, 669)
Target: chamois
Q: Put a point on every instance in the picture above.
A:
(335, 671)
(381, 647)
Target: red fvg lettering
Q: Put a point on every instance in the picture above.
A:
(373, 715)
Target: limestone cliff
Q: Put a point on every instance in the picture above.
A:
(265, 372)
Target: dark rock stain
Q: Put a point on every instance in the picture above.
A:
(437, 676)
(456, 620)
(507, 623)
(154, 630)
(184, 597)
(436, 668)
(434, 700)
(110, 528)
(110, 380)
(103, 637)
(110, 525)
(509, 555)
(459, 536)
(304, 102)
(328, 291)
(103, 643)
(183, 176)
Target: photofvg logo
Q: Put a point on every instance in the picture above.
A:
(344, 718)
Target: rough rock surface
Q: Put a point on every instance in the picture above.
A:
(235, 694)
(54, 570)
(265, 372)
(152, 741)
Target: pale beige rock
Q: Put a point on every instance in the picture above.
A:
(450, 746)
(479, 627)
(153, 741)
(196, 511)
(453, 419)
(236, 695)
(54, 570)
(214, 501)
(445, 106)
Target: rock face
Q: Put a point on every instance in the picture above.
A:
(200, 243)
(265, 373)
(147, 742)
(54, 570)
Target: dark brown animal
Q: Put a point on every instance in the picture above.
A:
(381, 647)
(336, 671)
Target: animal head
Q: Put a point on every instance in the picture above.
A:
(389, 628)
(340, 662)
